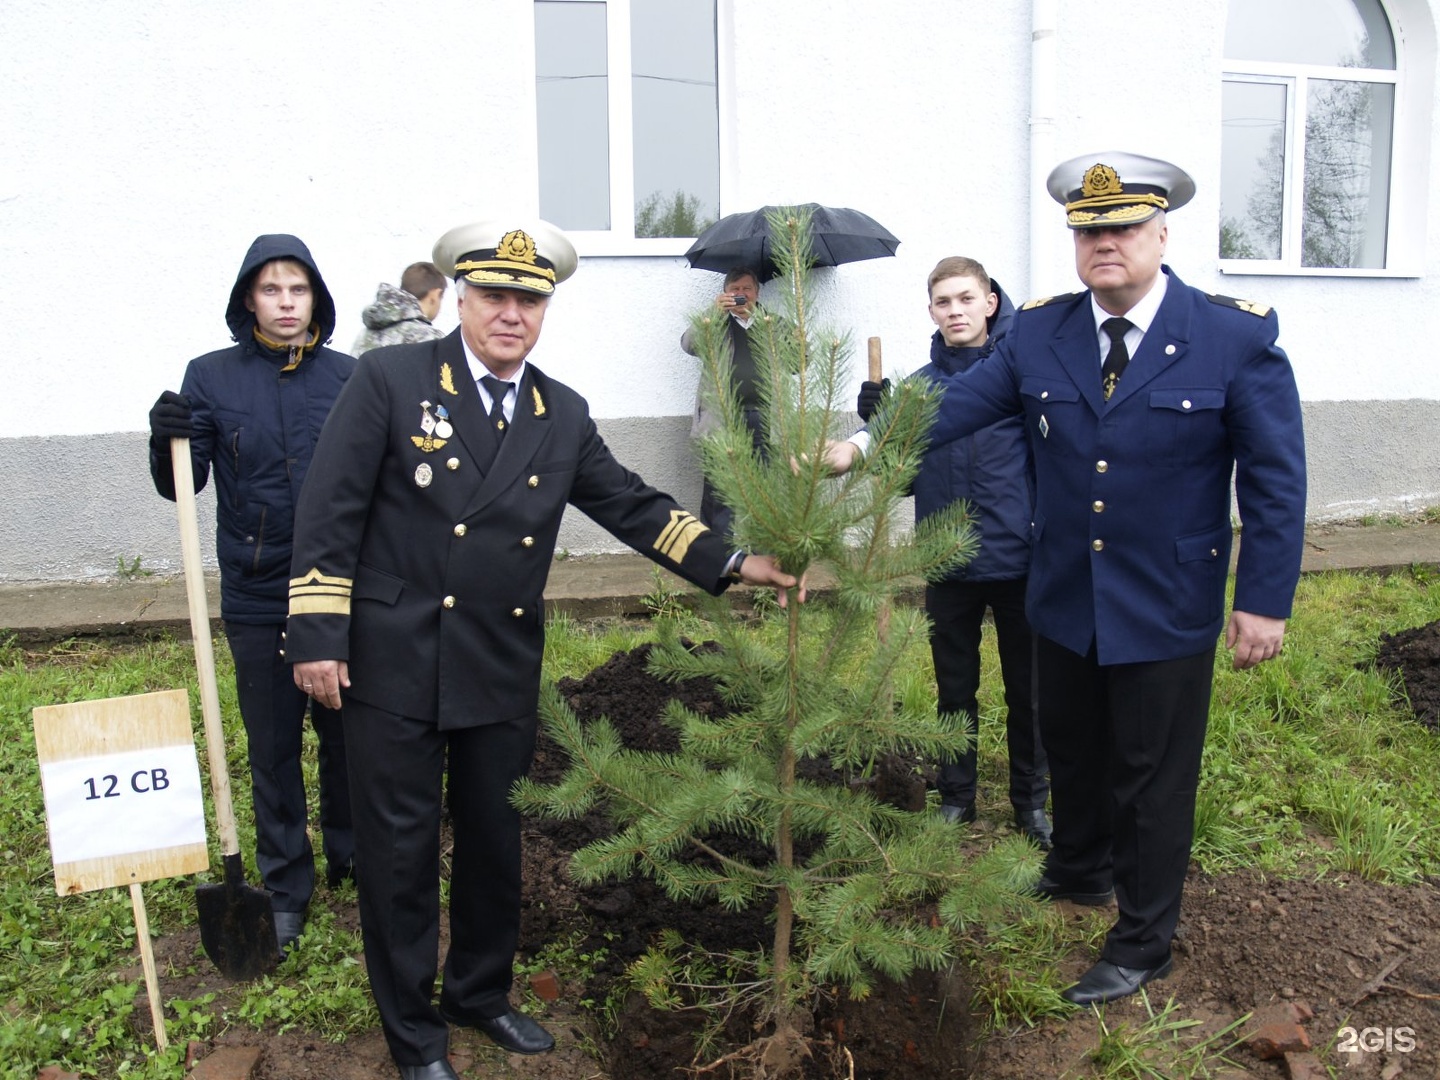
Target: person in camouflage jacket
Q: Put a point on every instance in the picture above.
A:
(400, 316)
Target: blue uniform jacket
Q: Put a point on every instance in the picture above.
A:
(1131, 536)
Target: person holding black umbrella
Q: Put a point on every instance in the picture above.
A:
(739, 298)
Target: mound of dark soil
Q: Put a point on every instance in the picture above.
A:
(1415, 654)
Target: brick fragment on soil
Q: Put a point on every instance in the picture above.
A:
(227, 1063)
(545, 985)
(1276, 1040)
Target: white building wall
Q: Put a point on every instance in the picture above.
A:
(149, 142)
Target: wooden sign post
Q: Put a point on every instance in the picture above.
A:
(123, 802)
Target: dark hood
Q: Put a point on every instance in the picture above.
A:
(266, 248)
(960, 359)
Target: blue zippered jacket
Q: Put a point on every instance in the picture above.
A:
(991, 469)
(257, 413)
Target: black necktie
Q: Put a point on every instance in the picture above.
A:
(498, 389)
(1118, 356)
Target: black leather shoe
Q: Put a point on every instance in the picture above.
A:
(1034, 826)
(1045, 889)
(1106, 982)
(514, 1031)
(436, 1070)
(958, 815)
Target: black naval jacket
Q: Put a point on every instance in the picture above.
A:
(427, 574)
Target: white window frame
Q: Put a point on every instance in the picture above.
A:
(620, 238)
(1413, 80)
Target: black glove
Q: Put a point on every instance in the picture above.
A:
(869, 399)
(170, 419)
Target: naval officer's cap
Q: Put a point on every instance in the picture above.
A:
(1115, 188)
(506, 253)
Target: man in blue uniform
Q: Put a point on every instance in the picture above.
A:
(423, 541)
(1142, 397)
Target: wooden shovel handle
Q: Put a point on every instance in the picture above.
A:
(875, 373)
(204, 651)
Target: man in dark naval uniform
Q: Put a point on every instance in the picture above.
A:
(1142, 397)
(425, 535)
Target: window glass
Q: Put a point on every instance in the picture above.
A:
(1252, 175)
(572, 102)
(1328, 33)
(677, 127)
(1347, 173)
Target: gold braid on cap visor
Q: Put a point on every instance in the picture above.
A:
(1123, 207)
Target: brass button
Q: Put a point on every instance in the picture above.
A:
(1185, 404)
(1044, 394)
(282, 652)
(517, 612)
(453, 464)
(1214, 553)
(534, 481)
(449, 601)
(1098, 545)
(1102, 466)
(460, 529)
(529, 541)
(1098, 506)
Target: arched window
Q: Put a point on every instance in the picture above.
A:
(1313, 101)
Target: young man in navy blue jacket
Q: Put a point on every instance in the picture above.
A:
(253, 413)
(992, 471)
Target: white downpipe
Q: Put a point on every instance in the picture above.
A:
(1044, 218)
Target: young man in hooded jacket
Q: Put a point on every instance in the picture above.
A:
(253, 413)
(992, 471)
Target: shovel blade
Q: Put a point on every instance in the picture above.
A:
(237, 929)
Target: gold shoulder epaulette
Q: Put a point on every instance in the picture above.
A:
(1047, 300)
(1240, 305)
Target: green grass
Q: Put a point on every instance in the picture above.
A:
(1310, 766)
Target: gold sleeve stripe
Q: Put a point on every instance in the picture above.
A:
(675, 539)
(320, 605)
(314, 577)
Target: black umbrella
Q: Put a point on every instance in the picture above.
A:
(837, 235)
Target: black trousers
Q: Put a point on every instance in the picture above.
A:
(273, 710)
(1125, 742)
(713, 512)
(957, 613)
(397, 767)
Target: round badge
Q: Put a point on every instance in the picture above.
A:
(443, 430)
(424, 474)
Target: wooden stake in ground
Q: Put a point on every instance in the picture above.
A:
(123, 802)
